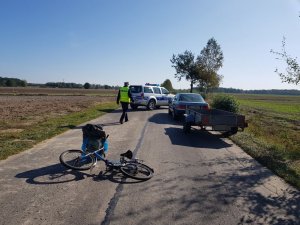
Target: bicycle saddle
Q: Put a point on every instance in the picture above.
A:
(127, 154)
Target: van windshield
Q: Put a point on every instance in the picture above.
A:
(136, 89)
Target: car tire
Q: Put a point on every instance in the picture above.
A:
(174, 115)
(151, 104)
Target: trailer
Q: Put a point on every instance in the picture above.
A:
(226, 122)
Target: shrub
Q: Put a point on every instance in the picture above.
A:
(204, 95)
(225, 102)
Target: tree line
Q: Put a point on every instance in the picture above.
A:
(15, 82)
(12, 82)
(168, 85)
(75, 85)
(267, 92)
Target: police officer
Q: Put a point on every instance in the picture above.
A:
(124, 96)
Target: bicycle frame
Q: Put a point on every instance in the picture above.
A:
(98, 156)
(129, 166)
(107, 162)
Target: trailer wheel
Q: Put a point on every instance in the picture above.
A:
(234, 130)
(226, 134)
(187, 127)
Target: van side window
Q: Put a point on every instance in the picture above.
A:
(147, 90)
(164, 91)
(156, 90)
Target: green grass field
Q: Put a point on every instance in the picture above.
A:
(273, 135)
(14, 142)
(31, 115)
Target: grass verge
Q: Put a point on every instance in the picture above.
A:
(273, 136)
(14, 142)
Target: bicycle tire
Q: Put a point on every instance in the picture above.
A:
(187, 127)
(72, 159)
(137, 171)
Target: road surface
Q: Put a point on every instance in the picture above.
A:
(200, 178)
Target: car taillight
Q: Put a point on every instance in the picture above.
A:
(206, 107)
(180, 107)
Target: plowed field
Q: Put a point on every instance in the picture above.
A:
(31, 105)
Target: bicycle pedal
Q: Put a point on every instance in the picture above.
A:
(91, 169)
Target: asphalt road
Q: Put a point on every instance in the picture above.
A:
(200, 178)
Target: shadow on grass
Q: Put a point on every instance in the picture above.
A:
(108, 110)
(71, 126)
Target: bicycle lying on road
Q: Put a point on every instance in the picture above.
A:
(85, 160)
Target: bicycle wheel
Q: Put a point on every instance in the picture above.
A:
(137, 171)
(76, 160)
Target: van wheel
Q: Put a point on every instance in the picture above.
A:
(151, 104)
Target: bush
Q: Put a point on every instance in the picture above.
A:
(225, 102)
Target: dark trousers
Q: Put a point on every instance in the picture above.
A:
(124, 114)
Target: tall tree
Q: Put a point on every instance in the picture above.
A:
(292, 71)
(208, 63)
(203, 70)
(167, 84)
(208, 80)
(185, 67)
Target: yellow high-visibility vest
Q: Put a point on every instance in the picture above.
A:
(124, 94)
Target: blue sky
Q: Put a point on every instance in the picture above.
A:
(108, 42)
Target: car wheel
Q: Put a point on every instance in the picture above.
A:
(151, 104)
(174, 115)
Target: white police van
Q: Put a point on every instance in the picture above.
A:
(150, 95)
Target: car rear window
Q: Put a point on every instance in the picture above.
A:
(136, 89)
(191, 98)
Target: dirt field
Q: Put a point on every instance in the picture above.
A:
(22, 106)
(54, 91)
